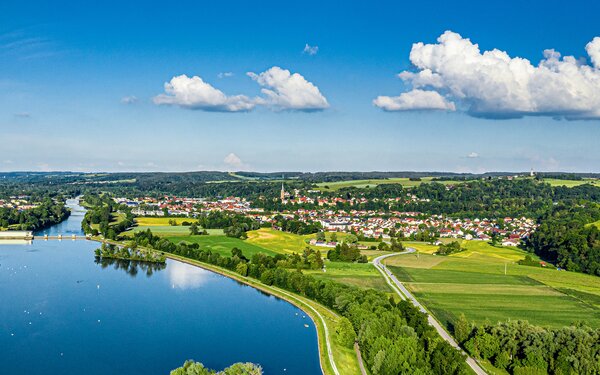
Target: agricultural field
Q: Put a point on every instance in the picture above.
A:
(363, 275)
(161, 221)
(169, 230)
(474, 282)
(222, 244)
(160, 226)
(405, 182)
(572, 183)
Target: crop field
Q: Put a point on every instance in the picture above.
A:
(363, 275)
(222, 244)
(169, 230)
(405, 182)
(474, 282)
(572, 183)
(282, 242)
(162, 221)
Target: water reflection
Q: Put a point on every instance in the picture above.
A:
(132, 267)
(15, 242)
(184, 276)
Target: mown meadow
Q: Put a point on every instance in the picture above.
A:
(487, 285)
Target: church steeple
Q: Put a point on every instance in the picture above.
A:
(282, 189)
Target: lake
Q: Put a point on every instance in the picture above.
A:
(64, 313)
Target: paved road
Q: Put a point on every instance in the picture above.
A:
(399, 288)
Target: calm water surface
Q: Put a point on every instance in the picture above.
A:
(63, 313)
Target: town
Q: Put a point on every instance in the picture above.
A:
(367, 224)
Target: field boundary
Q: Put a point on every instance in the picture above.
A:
(406, 295)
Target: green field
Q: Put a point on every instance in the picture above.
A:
(168, 230)
(572, 183)
(363, 275)
(162, 221)
(473, 282)
(405, 182)
(222, 244)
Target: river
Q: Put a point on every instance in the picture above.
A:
(64, 313)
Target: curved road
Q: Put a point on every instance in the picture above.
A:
(401, 290)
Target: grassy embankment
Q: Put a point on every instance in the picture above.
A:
(473, 282)
(344, 358)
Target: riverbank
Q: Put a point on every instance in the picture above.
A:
(334, 358)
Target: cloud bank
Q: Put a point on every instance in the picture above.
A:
(414, 100)
(454, 74)
(281, 90)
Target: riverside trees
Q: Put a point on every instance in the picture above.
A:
(47, 213)
(197, 368)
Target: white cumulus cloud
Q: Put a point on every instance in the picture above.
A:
(310, 50)
(495, 85)
(194, 93)
(414, 100)
(232, 160)
(284, 90)
(473, 155)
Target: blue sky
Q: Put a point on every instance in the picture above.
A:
(66, 70)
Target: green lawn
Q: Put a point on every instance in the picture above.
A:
(474, 282)
(222, 244)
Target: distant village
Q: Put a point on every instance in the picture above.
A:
(19, 203)
(508, 231)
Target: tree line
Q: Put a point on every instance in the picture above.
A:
(521, 348)
(567, 237)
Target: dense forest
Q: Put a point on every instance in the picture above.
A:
(521, 348)
(234, 225)
(394, 337)
(567, 237)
